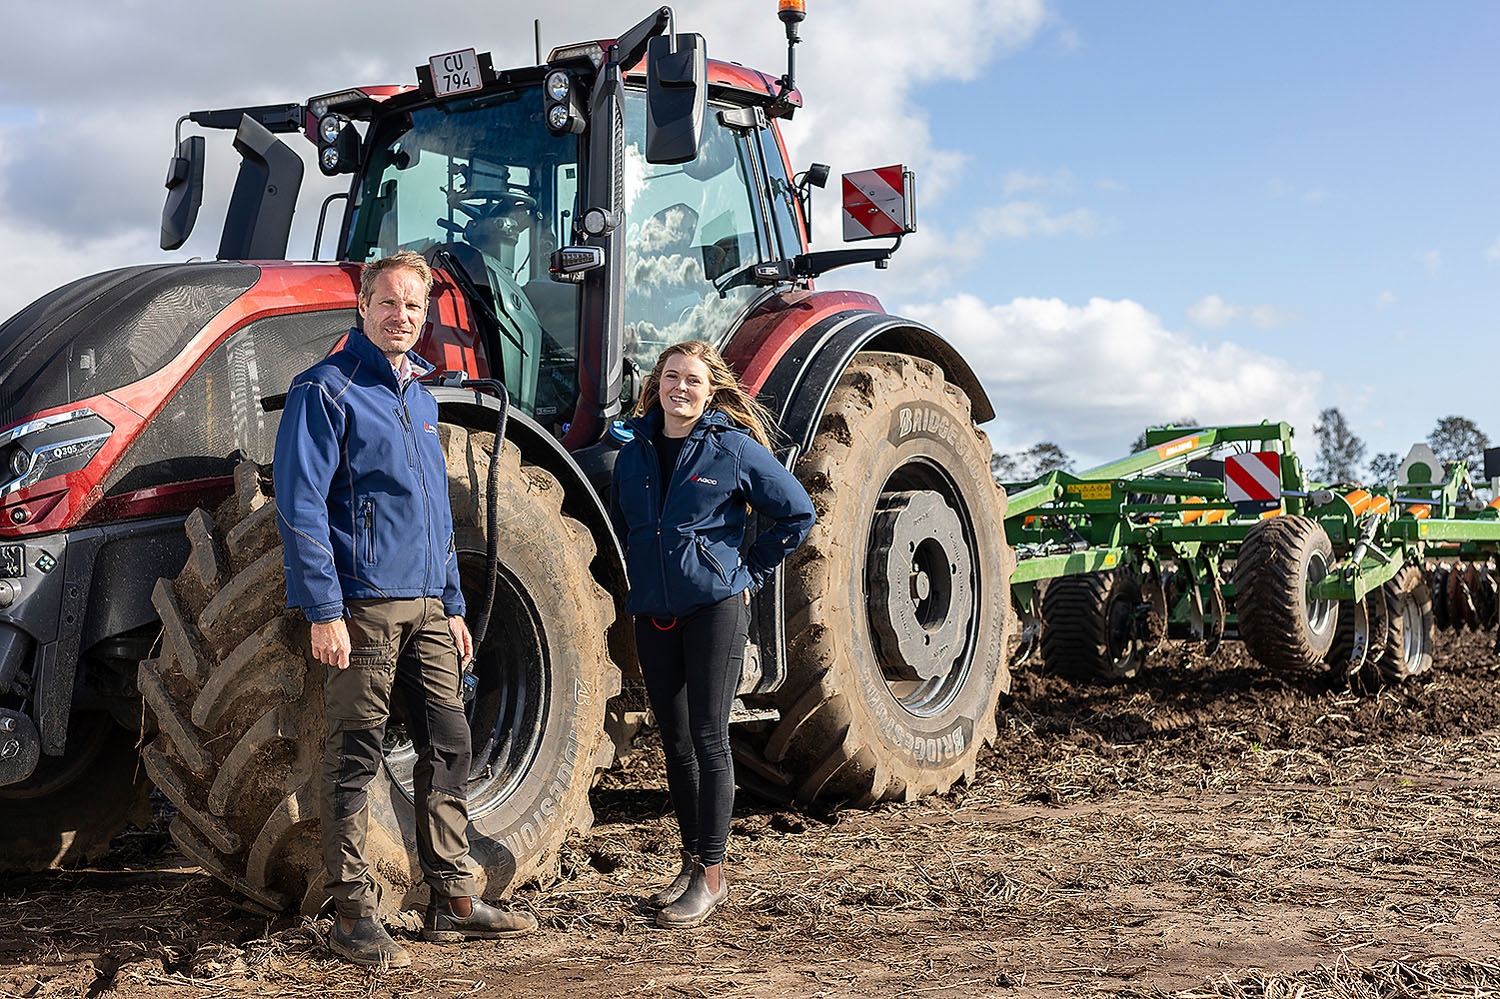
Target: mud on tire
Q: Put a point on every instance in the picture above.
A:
(1088, 630)
(240, 713)
(898, 603)
(1280, 626)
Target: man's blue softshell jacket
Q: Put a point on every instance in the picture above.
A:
(686, 555)
(362, 486)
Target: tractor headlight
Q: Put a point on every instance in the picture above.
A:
(558, 85)
(20, 462)
(559, 117)
(330, 159)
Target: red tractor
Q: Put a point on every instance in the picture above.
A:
(581, 215)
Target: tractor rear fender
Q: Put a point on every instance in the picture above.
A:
(798, 387)
(582, 499)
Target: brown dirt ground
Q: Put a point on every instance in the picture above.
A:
(1207, 830)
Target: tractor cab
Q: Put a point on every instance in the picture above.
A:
(583, 214)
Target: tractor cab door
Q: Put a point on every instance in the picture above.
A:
(695, 231)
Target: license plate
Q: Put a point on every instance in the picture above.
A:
(455, 72)
(12, 561)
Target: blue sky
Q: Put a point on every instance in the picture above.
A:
(1328, 171)
(1130, 213)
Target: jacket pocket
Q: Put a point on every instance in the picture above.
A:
(367, 528)
(713, 563)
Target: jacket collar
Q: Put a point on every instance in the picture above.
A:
(365, 350)
(650, 423)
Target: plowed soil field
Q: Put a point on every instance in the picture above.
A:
(1210, 829)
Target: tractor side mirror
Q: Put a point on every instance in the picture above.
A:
(184, 192)
(676, 97)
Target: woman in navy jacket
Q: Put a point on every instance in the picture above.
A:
(699, 455)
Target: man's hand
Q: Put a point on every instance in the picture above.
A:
(461, 638)
(330, 642)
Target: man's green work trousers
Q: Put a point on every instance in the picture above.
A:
(405, 642)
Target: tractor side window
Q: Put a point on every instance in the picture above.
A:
(215, 418)
(692, 238)
(783, 195)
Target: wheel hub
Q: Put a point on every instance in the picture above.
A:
(920, 582)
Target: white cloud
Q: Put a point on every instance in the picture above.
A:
(1281, 189)
(82, 152)
(1091, 377)
(1433, 261)
(1492, 253)
(1385, 299)
(1017, 181)
(1212, 312)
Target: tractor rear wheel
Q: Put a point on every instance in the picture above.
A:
(1088, 630)
(1407, 649)
(240, 711)
(897, 605)
(1281, 626)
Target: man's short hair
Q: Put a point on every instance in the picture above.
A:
(409, 259)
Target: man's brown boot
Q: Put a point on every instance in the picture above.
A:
(366, 943)
(484, 922)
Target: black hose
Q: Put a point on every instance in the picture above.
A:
(491, 512)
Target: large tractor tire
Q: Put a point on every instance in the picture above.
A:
(240, 711)
(898, 603)
(1280, 625)
(1407, 649)
(1088, 629)
(66, 813)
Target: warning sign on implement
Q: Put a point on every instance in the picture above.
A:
(1252, 482)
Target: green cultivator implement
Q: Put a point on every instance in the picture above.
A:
(1214, 533)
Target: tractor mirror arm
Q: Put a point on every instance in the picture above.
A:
(631, 46)
(810, 265)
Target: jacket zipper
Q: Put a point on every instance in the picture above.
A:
(413, 456)
(367, 511)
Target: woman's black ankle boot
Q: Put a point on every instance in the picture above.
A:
(673, 891)
(697, 903)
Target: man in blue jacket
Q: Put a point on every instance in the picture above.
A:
(362, 505)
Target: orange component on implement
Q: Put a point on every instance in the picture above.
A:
(1379, 505)
(1495, 503)
(1424, 511)
(1358, 500)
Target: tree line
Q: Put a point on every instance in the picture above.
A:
(1341, 452)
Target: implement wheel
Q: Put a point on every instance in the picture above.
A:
(1280, 625)
(240, 711)
(1407, 649)
(1089, 630)
(897, 605)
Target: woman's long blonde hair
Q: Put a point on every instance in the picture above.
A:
(728, 394)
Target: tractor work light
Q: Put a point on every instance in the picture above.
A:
(338, 144)
(561, 108)
(329, 127)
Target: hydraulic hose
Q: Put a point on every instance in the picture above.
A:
(492, 535)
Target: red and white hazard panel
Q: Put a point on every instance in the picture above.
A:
(879, 202)
(1252, 482)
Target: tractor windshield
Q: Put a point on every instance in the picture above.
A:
(480, 186)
